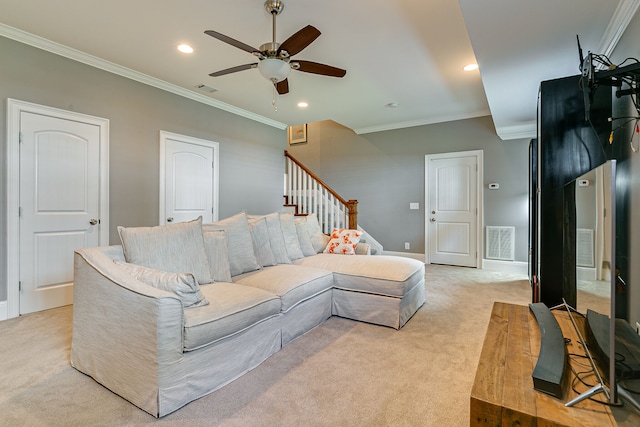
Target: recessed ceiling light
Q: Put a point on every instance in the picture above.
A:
(392, 105)
(303, 104)
(471, 67)
(185, 48)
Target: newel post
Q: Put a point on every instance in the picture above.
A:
(352, 207)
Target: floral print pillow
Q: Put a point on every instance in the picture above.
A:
(343, 241)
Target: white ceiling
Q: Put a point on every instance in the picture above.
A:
(409, 52)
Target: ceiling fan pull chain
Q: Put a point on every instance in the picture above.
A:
(273, 101)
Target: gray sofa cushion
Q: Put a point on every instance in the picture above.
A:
(232, 308)
(239, 244)
(178, 248)
(276, 238)
(215, 244)
(261, 242)
(380, 274)
(290, 282)
(290, 234)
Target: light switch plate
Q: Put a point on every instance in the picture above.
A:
(414, 205)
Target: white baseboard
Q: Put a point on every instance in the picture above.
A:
(516, 267)
(419, 257)
(585, 273)
(4, 312)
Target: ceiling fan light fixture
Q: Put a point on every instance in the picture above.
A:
(274, 70)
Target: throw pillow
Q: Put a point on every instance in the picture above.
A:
(215, 244)
(183, 285)
(239, 245)
(177, 248)
(343, 241)
(276, 239)
(303, 236)
(261, 245)
(319, 240)
(290, 236)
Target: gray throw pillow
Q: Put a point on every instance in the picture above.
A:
(261, 245)
(239, 245)
(290, 236)
(304, 238)
(215, 244)
(183, 285)
(276, 239)
(177, 248)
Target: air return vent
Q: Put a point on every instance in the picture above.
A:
(206, 88)
(500, 243)
(584, 247)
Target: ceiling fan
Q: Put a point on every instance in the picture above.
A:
(275, 60)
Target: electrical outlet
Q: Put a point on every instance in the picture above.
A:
(407, 245)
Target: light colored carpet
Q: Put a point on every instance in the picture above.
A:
(343, 372)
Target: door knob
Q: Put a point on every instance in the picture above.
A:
(170, 219)
(433, 220)
(93, 221)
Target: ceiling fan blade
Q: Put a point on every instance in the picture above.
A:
(233, 69)
(232, 42)
(297, 42)
(316, 68)
(282, 87)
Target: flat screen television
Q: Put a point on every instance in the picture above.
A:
(612, 346)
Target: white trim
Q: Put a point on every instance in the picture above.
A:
(419, 257)
(528, 130)
(164, 135)
(14, 108)
(617, 26)
(94, 61)
(479, 154)
(422, 122)
(3, 311)
(516, 267)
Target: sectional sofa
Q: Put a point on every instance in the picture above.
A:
(178, 311)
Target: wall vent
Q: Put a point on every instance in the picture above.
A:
(500, 243)
(206, 88)
(584, 247)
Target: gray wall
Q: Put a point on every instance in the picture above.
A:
(384, 171)
(629, 47)
(251, 160)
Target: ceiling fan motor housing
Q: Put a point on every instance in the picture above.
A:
(274, 7)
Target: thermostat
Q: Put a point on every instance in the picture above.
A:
(494, 186)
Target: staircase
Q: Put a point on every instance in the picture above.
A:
(305, 193)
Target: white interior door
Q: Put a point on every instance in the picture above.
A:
(188, 179)
(59, 205)
(453, 215)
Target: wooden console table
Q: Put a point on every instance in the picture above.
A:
(503, 393)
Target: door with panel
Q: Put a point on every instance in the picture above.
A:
(452, 218)
(59, 196)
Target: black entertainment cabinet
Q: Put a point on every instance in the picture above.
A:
(584, 122)
(568, 146)
(574, 127)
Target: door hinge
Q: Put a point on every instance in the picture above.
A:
(19, 286)
(20, 212)
(19, 137)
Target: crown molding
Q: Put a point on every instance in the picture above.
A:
(618, 25)
(422, 122)
(94, 61)
(527, 130)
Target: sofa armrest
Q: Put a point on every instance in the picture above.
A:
(126, 335)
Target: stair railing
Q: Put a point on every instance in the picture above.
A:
(311, 195)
